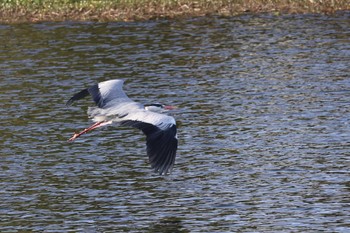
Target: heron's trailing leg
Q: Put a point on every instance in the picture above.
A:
(94, 126)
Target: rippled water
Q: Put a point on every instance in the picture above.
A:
(264, 135)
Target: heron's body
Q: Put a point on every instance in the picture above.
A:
(114, 106)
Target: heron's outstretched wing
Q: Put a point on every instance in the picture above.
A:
(102, 93)
(161, 144)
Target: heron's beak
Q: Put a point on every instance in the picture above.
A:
(169, 107)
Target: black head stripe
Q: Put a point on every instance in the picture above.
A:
(155, 105)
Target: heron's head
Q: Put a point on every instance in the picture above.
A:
(158, 107)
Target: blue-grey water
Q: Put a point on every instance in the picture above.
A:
(263, 125)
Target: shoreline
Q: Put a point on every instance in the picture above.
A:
(24, 11)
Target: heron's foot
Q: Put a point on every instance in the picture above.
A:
(76, 135)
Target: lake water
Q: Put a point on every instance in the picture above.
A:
(263, 125)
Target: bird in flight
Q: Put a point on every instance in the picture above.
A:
(114, 106)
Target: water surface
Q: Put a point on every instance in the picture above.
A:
(263, 126)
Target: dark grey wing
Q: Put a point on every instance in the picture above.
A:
(102, 93)
(161, 145)
(78, 96)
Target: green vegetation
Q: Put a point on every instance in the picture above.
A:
(125, 10)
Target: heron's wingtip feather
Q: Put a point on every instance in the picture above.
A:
(77, 96)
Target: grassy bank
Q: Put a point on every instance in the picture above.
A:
(12, 11)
